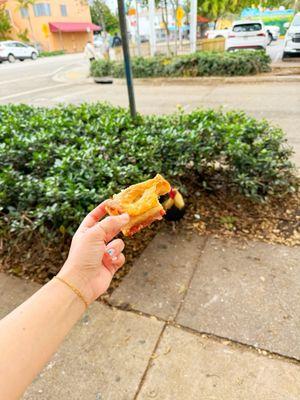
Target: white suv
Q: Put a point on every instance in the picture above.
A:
(11, 51)
(292, 38)
(247, 35)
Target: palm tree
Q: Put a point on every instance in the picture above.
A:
(216, 9)
(295, 4)
(25, 4)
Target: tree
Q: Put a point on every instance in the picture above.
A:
(164, 7)
(216, 9)
(25, 4)
(101, 15)
(24, 36)
(294, 4)
(5, 26)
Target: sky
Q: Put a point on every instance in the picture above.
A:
(112, 4)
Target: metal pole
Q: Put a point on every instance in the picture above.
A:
(193, 26)
(128, 71)
(152, 27)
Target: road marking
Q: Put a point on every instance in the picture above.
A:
(26, 78)
(34, 91)
(48, 75)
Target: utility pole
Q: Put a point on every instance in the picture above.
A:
(193, 26)
(152, 27)
(127, 63)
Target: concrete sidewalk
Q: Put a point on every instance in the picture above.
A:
(195, 318)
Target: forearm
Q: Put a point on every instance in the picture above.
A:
(32, 333)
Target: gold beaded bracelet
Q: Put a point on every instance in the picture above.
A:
(74, 288)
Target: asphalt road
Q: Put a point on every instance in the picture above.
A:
(40, 83)
(23, 81)
(275, 50)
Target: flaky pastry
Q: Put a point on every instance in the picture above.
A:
(141, 202)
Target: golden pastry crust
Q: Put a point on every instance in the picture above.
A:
(140, 201)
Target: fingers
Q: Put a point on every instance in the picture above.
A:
(109, 227)
(115, 247)
(113, 266)
(94, 216)
(119, 262)
(112, 254)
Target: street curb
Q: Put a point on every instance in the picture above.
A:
(279, 74)
(212, 80)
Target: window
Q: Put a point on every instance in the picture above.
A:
(18, 44)
(63, 10)
(296, 21)
(247, 27)
(42, 9)
(24, 12)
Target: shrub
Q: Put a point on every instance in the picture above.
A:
(58, 163)
(192, 65)
(52, 53)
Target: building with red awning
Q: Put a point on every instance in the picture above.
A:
(51, 25)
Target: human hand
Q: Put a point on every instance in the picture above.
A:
(94, 257)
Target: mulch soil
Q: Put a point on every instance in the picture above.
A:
(220, 213)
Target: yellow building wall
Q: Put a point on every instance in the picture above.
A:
(38, 27)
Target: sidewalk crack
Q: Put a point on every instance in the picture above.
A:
(150, 361)
(201, 251)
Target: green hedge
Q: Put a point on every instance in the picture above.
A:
(55, 164)
(52, 53)
(197, 64)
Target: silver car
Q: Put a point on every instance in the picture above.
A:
(11, 51)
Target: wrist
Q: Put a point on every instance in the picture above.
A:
(79, 281)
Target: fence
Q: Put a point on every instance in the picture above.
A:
(217, 44)
(174, 48)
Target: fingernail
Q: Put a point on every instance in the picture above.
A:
(124, 217)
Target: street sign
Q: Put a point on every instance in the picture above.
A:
(179, 15)
(132, 11)
(45, 29)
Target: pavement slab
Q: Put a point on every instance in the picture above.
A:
(157, 282)
(248, 293)
(188, 366)
(103, 358)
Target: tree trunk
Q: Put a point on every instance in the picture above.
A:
(166, 22)
(176, 27)
(102, 22)
(31, 28)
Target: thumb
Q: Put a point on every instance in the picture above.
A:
(109, 227)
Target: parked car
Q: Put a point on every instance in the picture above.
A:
(217, 33)
(11, 51)
(247, 35)
(292, 38)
